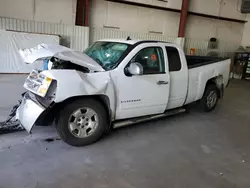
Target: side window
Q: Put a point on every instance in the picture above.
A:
(151, 59)
(174, 60)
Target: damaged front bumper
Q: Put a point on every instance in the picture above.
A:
(29, 111)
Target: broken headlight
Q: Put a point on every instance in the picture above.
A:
(37, 83)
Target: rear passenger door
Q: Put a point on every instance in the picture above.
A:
(178, 77)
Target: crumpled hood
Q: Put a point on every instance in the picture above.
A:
(79, 58)
(45, 51)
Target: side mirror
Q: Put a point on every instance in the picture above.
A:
(135, 69)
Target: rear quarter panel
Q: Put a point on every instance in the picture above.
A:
(199, 76)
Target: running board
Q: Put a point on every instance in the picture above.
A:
(123, 123)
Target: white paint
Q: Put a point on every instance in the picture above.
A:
(199, 76)
(11, 42)
(28, 117)
(42, 51)
(149, 97)
(79, 58)
(45, 51)
(177, 94)
(153, 98)
(56, 11)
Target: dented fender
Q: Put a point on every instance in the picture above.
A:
(72, 83)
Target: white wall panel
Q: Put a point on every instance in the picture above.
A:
(231, 9)
(205, 6)
(139, 19)
(246, 34)
(133, 18)
(54, 11)
(165, 22)
(98, 33)
(122, 16)
(205, 28)
(17, 9)
(225, 8)
(98, 13)
(175, 4)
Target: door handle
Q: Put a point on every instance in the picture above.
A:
(162, 82)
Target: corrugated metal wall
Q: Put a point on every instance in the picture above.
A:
(225, 49)
(103, 33)
(75, 37)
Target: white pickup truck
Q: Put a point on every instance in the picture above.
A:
(115, 83)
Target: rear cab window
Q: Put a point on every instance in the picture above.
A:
(174, 60)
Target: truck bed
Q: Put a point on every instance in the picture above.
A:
(197, 61)
(201, 71)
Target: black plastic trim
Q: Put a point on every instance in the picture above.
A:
(206, 63)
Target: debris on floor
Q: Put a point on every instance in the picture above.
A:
(10, 124)
(51, 139)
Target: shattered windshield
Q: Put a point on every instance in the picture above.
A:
(107, 54)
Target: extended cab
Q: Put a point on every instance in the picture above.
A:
(115, 83)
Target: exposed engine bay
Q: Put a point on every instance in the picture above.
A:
(56, 63)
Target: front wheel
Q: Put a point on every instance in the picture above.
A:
(210, 98)
(82, 122)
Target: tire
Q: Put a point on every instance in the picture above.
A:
(76, 125)
(210, 98)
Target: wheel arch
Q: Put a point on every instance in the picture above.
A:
(218, 82)
(54, 111)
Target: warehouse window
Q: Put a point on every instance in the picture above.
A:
(174, 60)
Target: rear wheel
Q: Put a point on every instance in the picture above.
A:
(210, 98)
(82, 122)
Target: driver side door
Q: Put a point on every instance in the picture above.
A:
(148, 92)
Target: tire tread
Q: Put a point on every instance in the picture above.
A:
(62, 123)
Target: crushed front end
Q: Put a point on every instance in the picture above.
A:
(29, 111)
(39, 97)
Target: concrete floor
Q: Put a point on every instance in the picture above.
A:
(187, 150)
